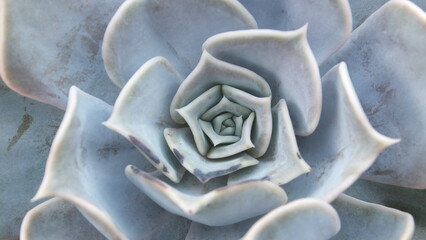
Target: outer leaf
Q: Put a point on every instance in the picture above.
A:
(343, 146)
(85, 167)
(230, 232)
(362, 9)
(141, 113)
(143, 29)
(48, 46)
(222, 206)
(386, 58)
(285, 61)
(308, 219)
(57, 219)
(330, 21)
(27, 129)
(408, 200)
(362, 220)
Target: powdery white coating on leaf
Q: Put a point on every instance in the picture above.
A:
(222, 206)
(307, 219)
(181, 143)
(56, 219)
(330, 21)
(361, 220)
(48, 46)
(285, 61)
(143, 29)
(84, 157)
(282, 162)
(343, 146)
(386, 57)
(141, 113)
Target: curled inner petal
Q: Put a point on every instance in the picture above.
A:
(228, 106)
(242, 145)
(215, 138)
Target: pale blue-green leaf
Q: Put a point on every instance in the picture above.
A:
(141, 113)
(330, 21)
(48, 46)
(262, 127)
(182, 144)
(57, 219)
(219, 207)
(86, 167)
(361, 220)
(285, 61)
(192, 112)
(211, 72)
(143, 29)
(198, 231)
(245, 143)
(405, 199)
(343, 146)
(386, 58)
(362, 9)
(307, 219)
(282, 162)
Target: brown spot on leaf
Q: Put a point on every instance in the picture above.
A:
(383, 172)
(26, 122)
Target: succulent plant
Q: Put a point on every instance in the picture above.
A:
(235, 119)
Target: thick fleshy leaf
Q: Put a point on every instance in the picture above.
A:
(243, 144)
(222, 206)
(211, 72)
(285, 61)
(330, 21)
(194, 110)
(216, 137)
(262, 127)
(142, 122)
(199, 231)
(362, 220)
(308, 219)
(57, 219)
(27, 128)
(405, 199)
(225, 106)
(49, 46)
(182, 144)
(386, 58)
(85, 167)
(282, 162)
(143, 29)
(343, 146)
(362, 9)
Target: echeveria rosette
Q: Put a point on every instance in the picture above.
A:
(85, 151)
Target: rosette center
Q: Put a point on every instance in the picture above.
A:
(221, 124)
